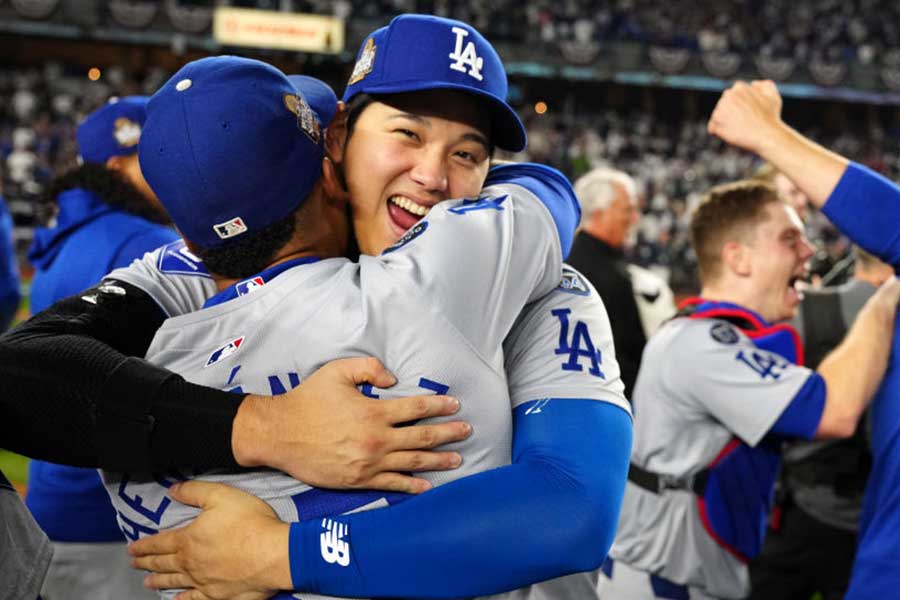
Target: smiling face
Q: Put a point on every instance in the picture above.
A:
(408, 152)
(778, 257)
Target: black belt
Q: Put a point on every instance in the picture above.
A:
(658, 483)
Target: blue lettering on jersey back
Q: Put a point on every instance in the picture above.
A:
(764, 365)
(483, 203)
(580, 347)
(434, 386)
(278, 388)
(132, 530)
(177, 259)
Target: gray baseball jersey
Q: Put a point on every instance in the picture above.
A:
(422, 328)
(695, 394)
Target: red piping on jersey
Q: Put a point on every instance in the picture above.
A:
(759, 330)
(701, 504)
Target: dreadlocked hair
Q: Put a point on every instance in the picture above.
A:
(111, 187)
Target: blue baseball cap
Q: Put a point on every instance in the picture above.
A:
(114, 129)
(424, 52)
(231, 146)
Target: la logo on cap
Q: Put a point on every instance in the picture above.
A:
(230, 228)
(126, 132)
(466, 57)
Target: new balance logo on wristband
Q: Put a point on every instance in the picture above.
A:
(334, 549)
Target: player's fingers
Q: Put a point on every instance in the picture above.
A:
(413, 408)
(197, 493)
(420, 460)
(365, 369)
(418, 437)
(192, 595)
(157, 563)
(168, 581)
(160, 543)
(396, 482)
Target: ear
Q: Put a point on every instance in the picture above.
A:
(336, 134)
(115, 163)
(333, 184)
(736, 258)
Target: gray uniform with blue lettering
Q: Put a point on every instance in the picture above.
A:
(426, 309)
(694, 396)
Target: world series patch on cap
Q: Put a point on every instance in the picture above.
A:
(232, 145)
(424, 52)
(114, 129)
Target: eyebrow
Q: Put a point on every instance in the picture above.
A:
(468, 136)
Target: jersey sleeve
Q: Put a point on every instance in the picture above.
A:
(171, 275)
(478, 262)
(866, 207)
(552, 512)
(561, 346)
(744, 387)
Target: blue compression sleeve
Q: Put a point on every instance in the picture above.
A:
(866, 207)
(552, 512)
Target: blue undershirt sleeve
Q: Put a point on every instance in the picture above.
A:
(803, 413)
(552, 512)
(866, 207)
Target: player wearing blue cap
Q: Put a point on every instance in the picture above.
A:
(104, 216)
(432, 268)
(865, 207)
(568, 328)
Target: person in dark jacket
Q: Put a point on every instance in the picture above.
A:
(104, 215)
(609, 213)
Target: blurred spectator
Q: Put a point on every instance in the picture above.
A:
(609, 213)
(810, 547)
(9, 270)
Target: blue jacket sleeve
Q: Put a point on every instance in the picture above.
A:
(552, 512)
(866, 207)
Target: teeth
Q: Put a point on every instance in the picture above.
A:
(409, 205)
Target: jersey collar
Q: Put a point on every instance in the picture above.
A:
(245, 286)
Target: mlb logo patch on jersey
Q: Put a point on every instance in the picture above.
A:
(249, 285)
(225, 351)
(724, 333)
(573, 283)
(177, 259)
(230, 228)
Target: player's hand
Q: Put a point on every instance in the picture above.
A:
(327, 434)
(237, 548)
(747, 115)
(887, 296)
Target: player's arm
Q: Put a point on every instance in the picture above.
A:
(862, 204)
(853, 371)
(544, 516)
(72, 391)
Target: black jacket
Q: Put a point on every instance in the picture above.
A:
(606, 268)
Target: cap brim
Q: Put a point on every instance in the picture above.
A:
(507, 130)
(318, 94)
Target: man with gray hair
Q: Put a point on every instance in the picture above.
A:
(609, 213)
